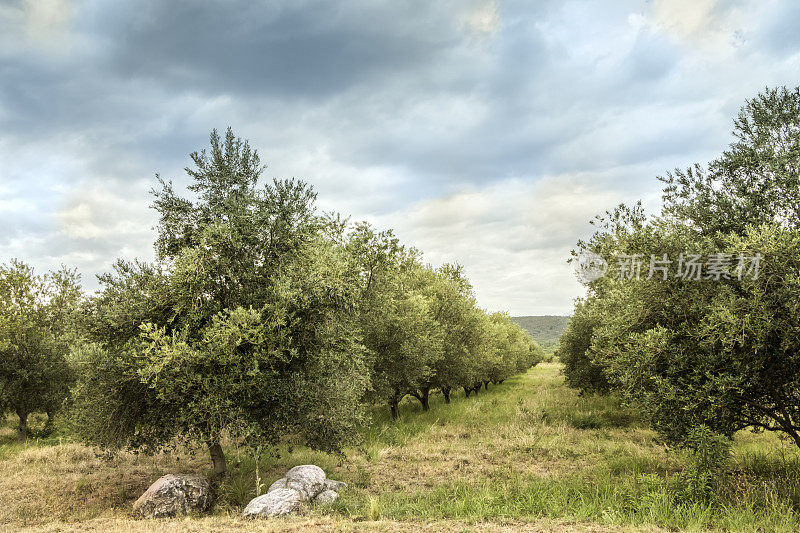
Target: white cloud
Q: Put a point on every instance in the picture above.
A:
(513, 237)
(707, 26)
(36, 25)
(102, 214)
(483, 17)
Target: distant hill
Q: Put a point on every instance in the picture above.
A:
(545, 330)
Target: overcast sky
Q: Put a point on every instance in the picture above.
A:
(485, 133)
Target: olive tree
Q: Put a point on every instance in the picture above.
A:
(513, 351)
(242, 329)
(719, 353)
(455, 310)
(37, 329)
(395, 315)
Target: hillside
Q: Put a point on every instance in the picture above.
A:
(545, 329)
(526, 455)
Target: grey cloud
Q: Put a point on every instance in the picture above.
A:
(289, 49)
(385, 105)
(651, 59)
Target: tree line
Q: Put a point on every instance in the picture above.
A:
(719, 350)
(260, 319)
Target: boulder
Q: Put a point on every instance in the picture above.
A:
(174, 495)
(274, 503)
(300, 484)
(280, 484)
(336, 486)
(326, 496)
(308, 480)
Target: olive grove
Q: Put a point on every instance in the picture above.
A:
(262, 320)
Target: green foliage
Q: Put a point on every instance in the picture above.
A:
(262, 321)
(461, 323)
(37, 326)
(575, 351)
(422, 326)
(709, 456)
(755, 181)
(393, 314)
(719, 354)
(510, 351)
(242, 329)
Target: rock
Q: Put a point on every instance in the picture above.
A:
(336, 486)
(174, 495)
(326, 496)
(280, 484)
(308, 480)
(301, 483)
(274, 503)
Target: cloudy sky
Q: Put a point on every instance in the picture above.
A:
(484, 132)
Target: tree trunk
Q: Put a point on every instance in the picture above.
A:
(476, 389)
(486, 385)
(22, 429)
(467, 390)
(218, 458)
(394, 403)
(423, 398)
(48, 425)
(446, 394)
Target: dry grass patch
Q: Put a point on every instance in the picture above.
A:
(330, 524)
(71, 482)
(527, 455)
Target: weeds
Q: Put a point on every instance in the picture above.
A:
(374, 509)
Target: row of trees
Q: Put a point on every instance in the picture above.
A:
(424, 326)
(260, 319)
(723, 351)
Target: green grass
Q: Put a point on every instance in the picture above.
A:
(526, 451)
(532, 448)
(606, 466)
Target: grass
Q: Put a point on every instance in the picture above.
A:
(529, 454)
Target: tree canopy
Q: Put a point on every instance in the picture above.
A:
(242, 329)
(262, 320)
(38, 317)
(718, 348)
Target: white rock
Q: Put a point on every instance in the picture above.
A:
(309, 480)
(326, 496)
(174, 495)
(274, 503)
(336, 486)
(279, 484)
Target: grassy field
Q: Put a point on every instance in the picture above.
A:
(527, 455)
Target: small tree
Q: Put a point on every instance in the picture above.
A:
(37, 318)
(395, 316)
(454, 309)
(513, 351)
